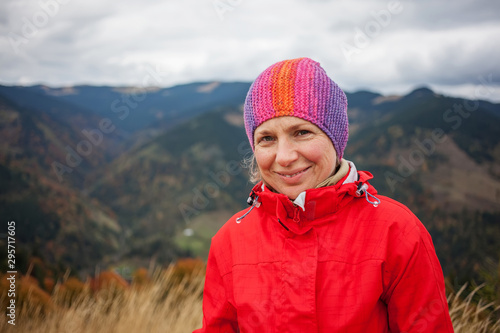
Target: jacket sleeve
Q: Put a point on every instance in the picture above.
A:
(218, 314)
(415, 293)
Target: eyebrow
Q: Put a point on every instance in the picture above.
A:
(262, 132)
(292, 128)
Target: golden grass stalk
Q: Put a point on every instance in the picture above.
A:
(468, 316)
(165, 304)
(172, 302)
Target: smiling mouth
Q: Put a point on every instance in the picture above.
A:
(293, 174)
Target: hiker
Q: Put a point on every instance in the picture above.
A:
(318, 250)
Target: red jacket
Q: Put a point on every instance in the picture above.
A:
(342, 264)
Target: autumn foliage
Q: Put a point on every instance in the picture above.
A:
(162, 300)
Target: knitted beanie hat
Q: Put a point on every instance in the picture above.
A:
(298, 88)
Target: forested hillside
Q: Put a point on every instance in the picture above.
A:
(116, 176)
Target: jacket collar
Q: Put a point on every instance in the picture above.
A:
(313, 205)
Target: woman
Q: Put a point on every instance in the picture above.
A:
(318, 251)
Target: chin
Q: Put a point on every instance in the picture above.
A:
(290, 191)
(292, 194)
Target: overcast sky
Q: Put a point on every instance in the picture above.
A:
(384, 46)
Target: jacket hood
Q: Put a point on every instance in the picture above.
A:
(313, 205)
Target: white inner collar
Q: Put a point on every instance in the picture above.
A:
(351, 178)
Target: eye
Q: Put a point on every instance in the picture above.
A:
(303, 132)
(267, 138)
(264, 139)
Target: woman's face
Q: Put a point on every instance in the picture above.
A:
(293, 155)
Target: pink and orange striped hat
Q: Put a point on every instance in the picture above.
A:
(299, 88)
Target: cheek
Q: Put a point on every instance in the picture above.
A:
(264, 159)
(317, 153)
(322, 154)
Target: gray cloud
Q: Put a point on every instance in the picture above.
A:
(438, 43)
(437, 15)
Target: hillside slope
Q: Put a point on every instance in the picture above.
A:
(163, 182)
(168, 184)
(53, 220)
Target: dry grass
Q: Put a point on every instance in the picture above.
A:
(468, 316)
(171, 301)
(166, 303)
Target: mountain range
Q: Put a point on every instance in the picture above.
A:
(100, 176)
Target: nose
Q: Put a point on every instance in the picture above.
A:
(286, 153)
